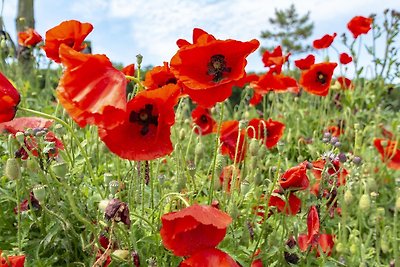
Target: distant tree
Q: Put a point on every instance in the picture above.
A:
(289, 30)
(25, 17)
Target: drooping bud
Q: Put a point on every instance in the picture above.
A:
(121, 253)
(13, 169)
(20, 136)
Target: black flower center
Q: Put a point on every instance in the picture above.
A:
(321, 77)
(144, 118)
(203, 118)
(217, 67)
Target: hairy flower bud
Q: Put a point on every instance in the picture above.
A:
(60, 169)
(199, 150)
(365, 203)
(13, 169)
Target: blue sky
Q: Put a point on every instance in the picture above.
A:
(125, 28)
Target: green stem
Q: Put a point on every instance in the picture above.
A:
(19, 236)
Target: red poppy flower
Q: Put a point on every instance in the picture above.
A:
(129, 70)
(313, 237)
(275, 82)
(29, 38)
(324, 42)
(209, 68)
(359, 25)
(248, 79)
(275, 59)
(305, 63)
(334, 130)
(334, 170)
(193, 229)
(317, 79)
(295, 178)
(386, 133)
(229, 138)
(23, 123)
(159, 76)
(290, 206)
(345, 83)
(209, 257)
(256, 98)
(268, 130)
(31, 143)
(390, 152)
(24, 205)
(202, 117)
(91, 90)
(15, 261)
(145, 129)
(71, 33)
(344, 58)
(9, 99)
(227, 174)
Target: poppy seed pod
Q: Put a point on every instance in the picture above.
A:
(107, 178)
(60, 169)
(13, 169)
(39, 192)
(113, 185)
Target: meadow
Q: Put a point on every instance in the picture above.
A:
(196, 162)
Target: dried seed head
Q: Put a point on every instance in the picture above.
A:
(117, 211)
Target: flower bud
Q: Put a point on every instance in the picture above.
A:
(60, 169)
(39, 192)
(139, 59)
(220, 163)
(254, 146)
(384, 245)
(199, 150)
(348, 197)
(365, 203)
(182, 134)
(121, 253)
(342, 157)
(340, 247)
(262, 152)
(13, 169)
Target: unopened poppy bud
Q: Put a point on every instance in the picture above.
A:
(39, 192)
(121, 253)
(245, 187)
(13, 169)
(253, 163)
(254, 146)
(199, 150)
(348, 197)
(262, 152)
(3, 44)
(60, 169)
(182, 134)
(20, 136)
(113, 186)
(353, 249)
(107, 178)
(365, 203)
(235, 213)
(397, 205)
(257, 179)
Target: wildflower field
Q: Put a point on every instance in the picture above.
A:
(197, 163)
